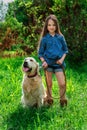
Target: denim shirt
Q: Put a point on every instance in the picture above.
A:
(52, 48)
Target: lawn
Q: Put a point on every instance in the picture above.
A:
(14, 117)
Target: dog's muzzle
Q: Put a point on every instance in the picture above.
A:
(26, 67)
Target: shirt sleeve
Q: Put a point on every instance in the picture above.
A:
(41, 48)
(64, 45)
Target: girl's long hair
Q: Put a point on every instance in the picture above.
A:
(45, 31)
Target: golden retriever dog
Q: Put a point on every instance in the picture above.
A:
(32, 86)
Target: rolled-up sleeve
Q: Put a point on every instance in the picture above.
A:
(64, 45)
(41, 48)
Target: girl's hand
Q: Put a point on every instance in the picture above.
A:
(60, 61)
(44, 65)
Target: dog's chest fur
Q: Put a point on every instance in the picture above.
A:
(31, 83)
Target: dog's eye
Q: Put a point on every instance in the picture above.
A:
(31, 60)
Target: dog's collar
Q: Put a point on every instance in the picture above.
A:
(31, 76)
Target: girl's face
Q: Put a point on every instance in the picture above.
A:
(51, 27)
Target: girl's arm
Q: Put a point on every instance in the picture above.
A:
(64, 45)
(44, 63)
(41, 49)
(41, 53)
(65, 51)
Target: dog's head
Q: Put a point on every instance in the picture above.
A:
(30, 66)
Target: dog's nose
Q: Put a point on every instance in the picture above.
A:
(25, 64)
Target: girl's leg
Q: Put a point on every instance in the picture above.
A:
(62, 87)
(49, 83)
(48, 76)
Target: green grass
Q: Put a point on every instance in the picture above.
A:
(14, 117)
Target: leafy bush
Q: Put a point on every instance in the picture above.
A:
(13, 23)
(73, 22)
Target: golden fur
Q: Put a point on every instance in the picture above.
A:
(32, 86)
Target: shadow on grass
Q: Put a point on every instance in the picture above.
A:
(27, 117)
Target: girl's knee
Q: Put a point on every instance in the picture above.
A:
(62, 85)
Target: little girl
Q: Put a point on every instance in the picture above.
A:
(52, 52)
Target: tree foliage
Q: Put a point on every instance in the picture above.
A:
(26, 17)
